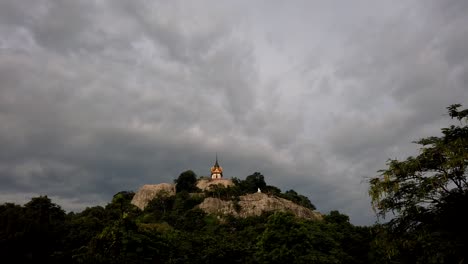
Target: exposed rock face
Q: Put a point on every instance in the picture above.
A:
(147, 193)
(254, 205)
(205, 184)
(248, 205)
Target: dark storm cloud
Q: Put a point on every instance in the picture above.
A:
(99, 97)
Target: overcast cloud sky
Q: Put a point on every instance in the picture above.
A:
(98, 97)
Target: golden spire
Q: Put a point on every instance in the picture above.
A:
(216, 170)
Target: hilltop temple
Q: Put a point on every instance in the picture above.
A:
(216, 170)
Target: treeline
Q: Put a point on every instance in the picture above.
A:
(172, 230)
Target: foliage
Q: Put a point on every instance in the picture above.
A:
(427, 194)
(187, 181)
(287, 239)
(272, 190)
(354, 241)
(158, 208)
(251, 185)
(172, 229)
(253, 182)
(33, 232)
(297, 198)
(121, 204)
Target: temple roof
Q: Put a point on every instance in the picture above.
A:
(216, 168)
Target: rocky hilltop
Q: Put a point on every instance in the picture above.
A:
(254, 205)
(247, 205)
(205, 184)
(149, 191)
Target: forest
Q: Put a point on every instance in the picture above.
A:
(420, 203)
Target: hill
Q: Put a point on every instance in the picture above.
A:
(256, 204)
(249, 204)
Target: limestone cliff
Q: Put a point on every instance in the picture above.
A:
(248, 205)
(149, 191)
(255, 204)
(205, 184)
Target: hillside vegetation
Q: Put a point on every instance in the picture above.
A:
(178, 229)
(225, 197)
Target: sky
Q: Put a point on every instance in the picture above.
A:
(98, 97)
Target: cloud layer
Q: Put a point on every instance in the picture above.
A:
(102, 96)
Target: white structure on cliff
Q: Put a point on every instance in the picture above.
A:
(216, 170)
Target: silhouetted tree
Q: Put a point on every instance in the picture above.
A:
(187, 181)
(427, 194)
(253, 182)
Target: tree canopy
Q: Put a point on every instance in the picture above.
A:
(187, 181)
(427, 195)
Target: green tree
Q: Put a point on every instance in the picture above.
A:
(269, 189)
(426, 196)
(13, 236)
(253, 182)
(122, 242)
(354, 241)
(287, 239)
(159, 207)
(121, 206)
(298, 199)
(44, 230)
(81, 228)
(187, 181)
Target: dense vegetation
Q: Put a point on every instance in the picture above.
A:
(426, 195)
(172, 230)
